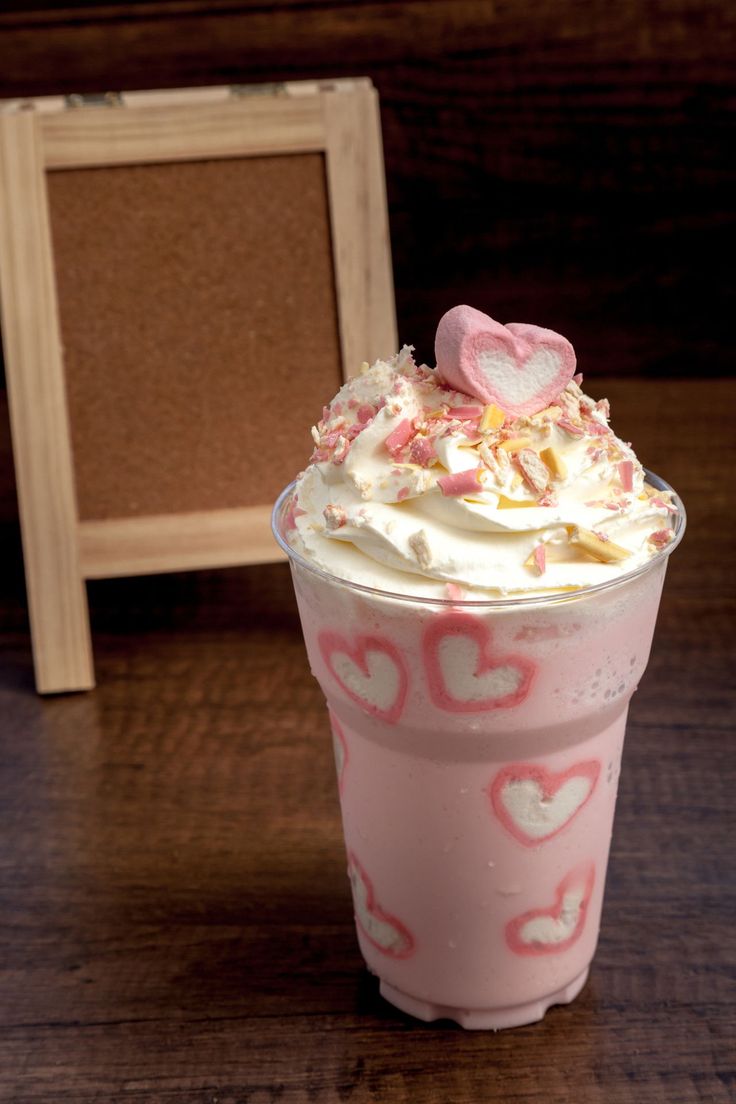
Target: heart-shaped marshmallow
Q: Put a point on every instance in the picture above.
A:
(463, 675)
(534, 803)
(551, 930)
(519, 367)
(371, 671)
(380, 928)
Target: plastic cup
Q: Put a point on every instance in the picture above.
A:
(478, 747)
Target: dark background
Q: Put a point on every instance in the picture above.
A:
(562, 163)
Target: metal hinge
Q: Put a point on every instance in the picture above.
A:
(94, 99)
(275, 88)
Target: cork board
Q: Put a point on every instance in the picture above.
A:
(185, 276)
(200, 331)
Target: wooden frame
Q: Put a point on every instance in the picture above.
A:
(339, 119)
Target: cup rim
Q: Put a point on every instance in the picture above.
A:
(507, 602)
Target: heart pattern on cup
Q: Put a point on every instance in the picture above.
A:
(519, 367)
(340, 749)
(384, 931)
(534, 803)
(463, 674)
(552, 930)
(370, 670)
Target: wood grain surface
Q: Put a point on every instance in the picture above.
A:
(176, 919)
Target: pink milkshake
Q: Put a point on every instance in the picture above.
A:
(478, 585)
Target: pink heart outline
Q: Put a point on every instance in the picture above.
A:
(549, 782)
(465, 334)
(339, 741)
(331, 642)
(465, 624)
(584, 875)
(408, 942)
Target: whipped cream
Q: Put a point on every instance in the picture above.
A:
(416, 488)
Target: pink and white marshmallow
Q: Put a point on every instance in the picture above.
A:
(520, 368)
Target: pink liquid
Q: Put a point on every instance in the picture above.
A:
(478, 755)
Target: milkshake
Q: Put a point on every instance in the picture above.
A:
(478, 562)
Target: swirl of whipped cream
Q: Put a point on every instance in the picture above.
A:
(416, 488)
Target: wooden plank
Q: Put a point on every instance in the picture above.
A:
(360, 236)
(382, 336)
(137, 135)
(176, 542)
(56, 594)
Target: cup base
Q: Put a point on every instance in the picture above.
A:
(478, 1019)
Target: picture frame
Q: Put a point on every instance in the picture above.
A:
(144, 362)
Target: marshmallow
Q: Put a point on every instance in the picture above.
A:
(518, 367)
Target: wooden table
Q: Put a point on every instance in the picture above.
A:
(176, 921)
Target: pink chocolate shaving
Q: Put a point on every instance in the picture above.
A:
(534, 470)
(540, 558)
(569, 404)
(626, 474)
(661, 537)
(462, 483)
(364, 413)
(399, 436)
(329, 440)
(335, 516)
(422, 451)
(570, 428)
(465, 413)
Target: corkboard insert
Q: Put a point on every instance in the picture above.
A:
(199, 324)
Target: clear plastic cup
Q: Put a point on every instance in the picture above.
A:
(478, 747)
